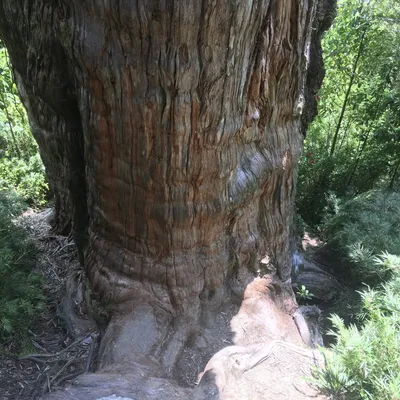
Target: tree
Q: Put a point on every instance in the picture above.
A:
(170, 132)
(354, 140)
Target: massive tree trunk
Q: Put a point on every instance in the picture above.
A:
(170, 131)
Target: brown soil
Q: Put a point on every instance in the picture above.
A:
(51, 355)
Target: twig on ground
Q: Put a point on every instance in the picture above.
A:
(38, 346)
(68, 377)
(67, 364)
(48, 383)
(32, 358)
(50, 355)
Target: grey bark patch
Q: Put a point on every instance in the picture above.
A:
(200, 343)
(133, 336)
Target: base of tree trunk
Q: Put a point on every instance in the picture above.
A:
(145, 353)
(141, 332)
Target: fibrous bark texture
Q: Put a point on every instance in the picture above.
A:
(170, 131)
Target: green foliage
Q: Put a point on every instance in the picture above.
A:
(353, 145)
(20, 292)
(21, 168)
(364, 230)
(365, 363)
(351, 158)
(27, 178)
(304, 293)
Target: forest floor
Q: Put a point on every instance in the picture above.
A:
(51, 355)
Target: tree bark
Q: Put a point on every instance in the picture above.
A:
(170, 132)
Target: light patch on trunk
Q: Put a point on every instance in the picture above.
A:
(265, 260)
(285, 159)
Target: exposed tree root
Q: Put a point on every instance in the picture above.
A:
(238, 359)
(77, 324)
(140, 348)
(306, 319)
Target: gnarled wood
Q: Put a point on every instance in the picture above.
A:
(170, 131)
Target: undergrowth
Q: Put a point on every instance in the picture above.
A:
(364, 231)
(25, 177)
(364, 361)
(20, 292)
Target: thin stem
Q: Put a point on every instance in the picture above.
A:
(348, 91)
(396, 169)
(10, 124)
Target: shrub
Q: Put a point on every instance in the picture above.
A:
(365, 363)
(19, 285)
(27, 178)
(365, 228)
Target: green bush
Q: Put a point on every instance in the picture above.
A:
(365, 362)
(27, 178)
(363, 229)
(20, 293)
(21, 168)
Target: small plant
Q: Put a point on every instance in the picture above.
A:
(388, 262)
(304, 293)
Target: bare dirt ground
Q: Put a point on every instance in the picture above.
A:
(52, 355)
